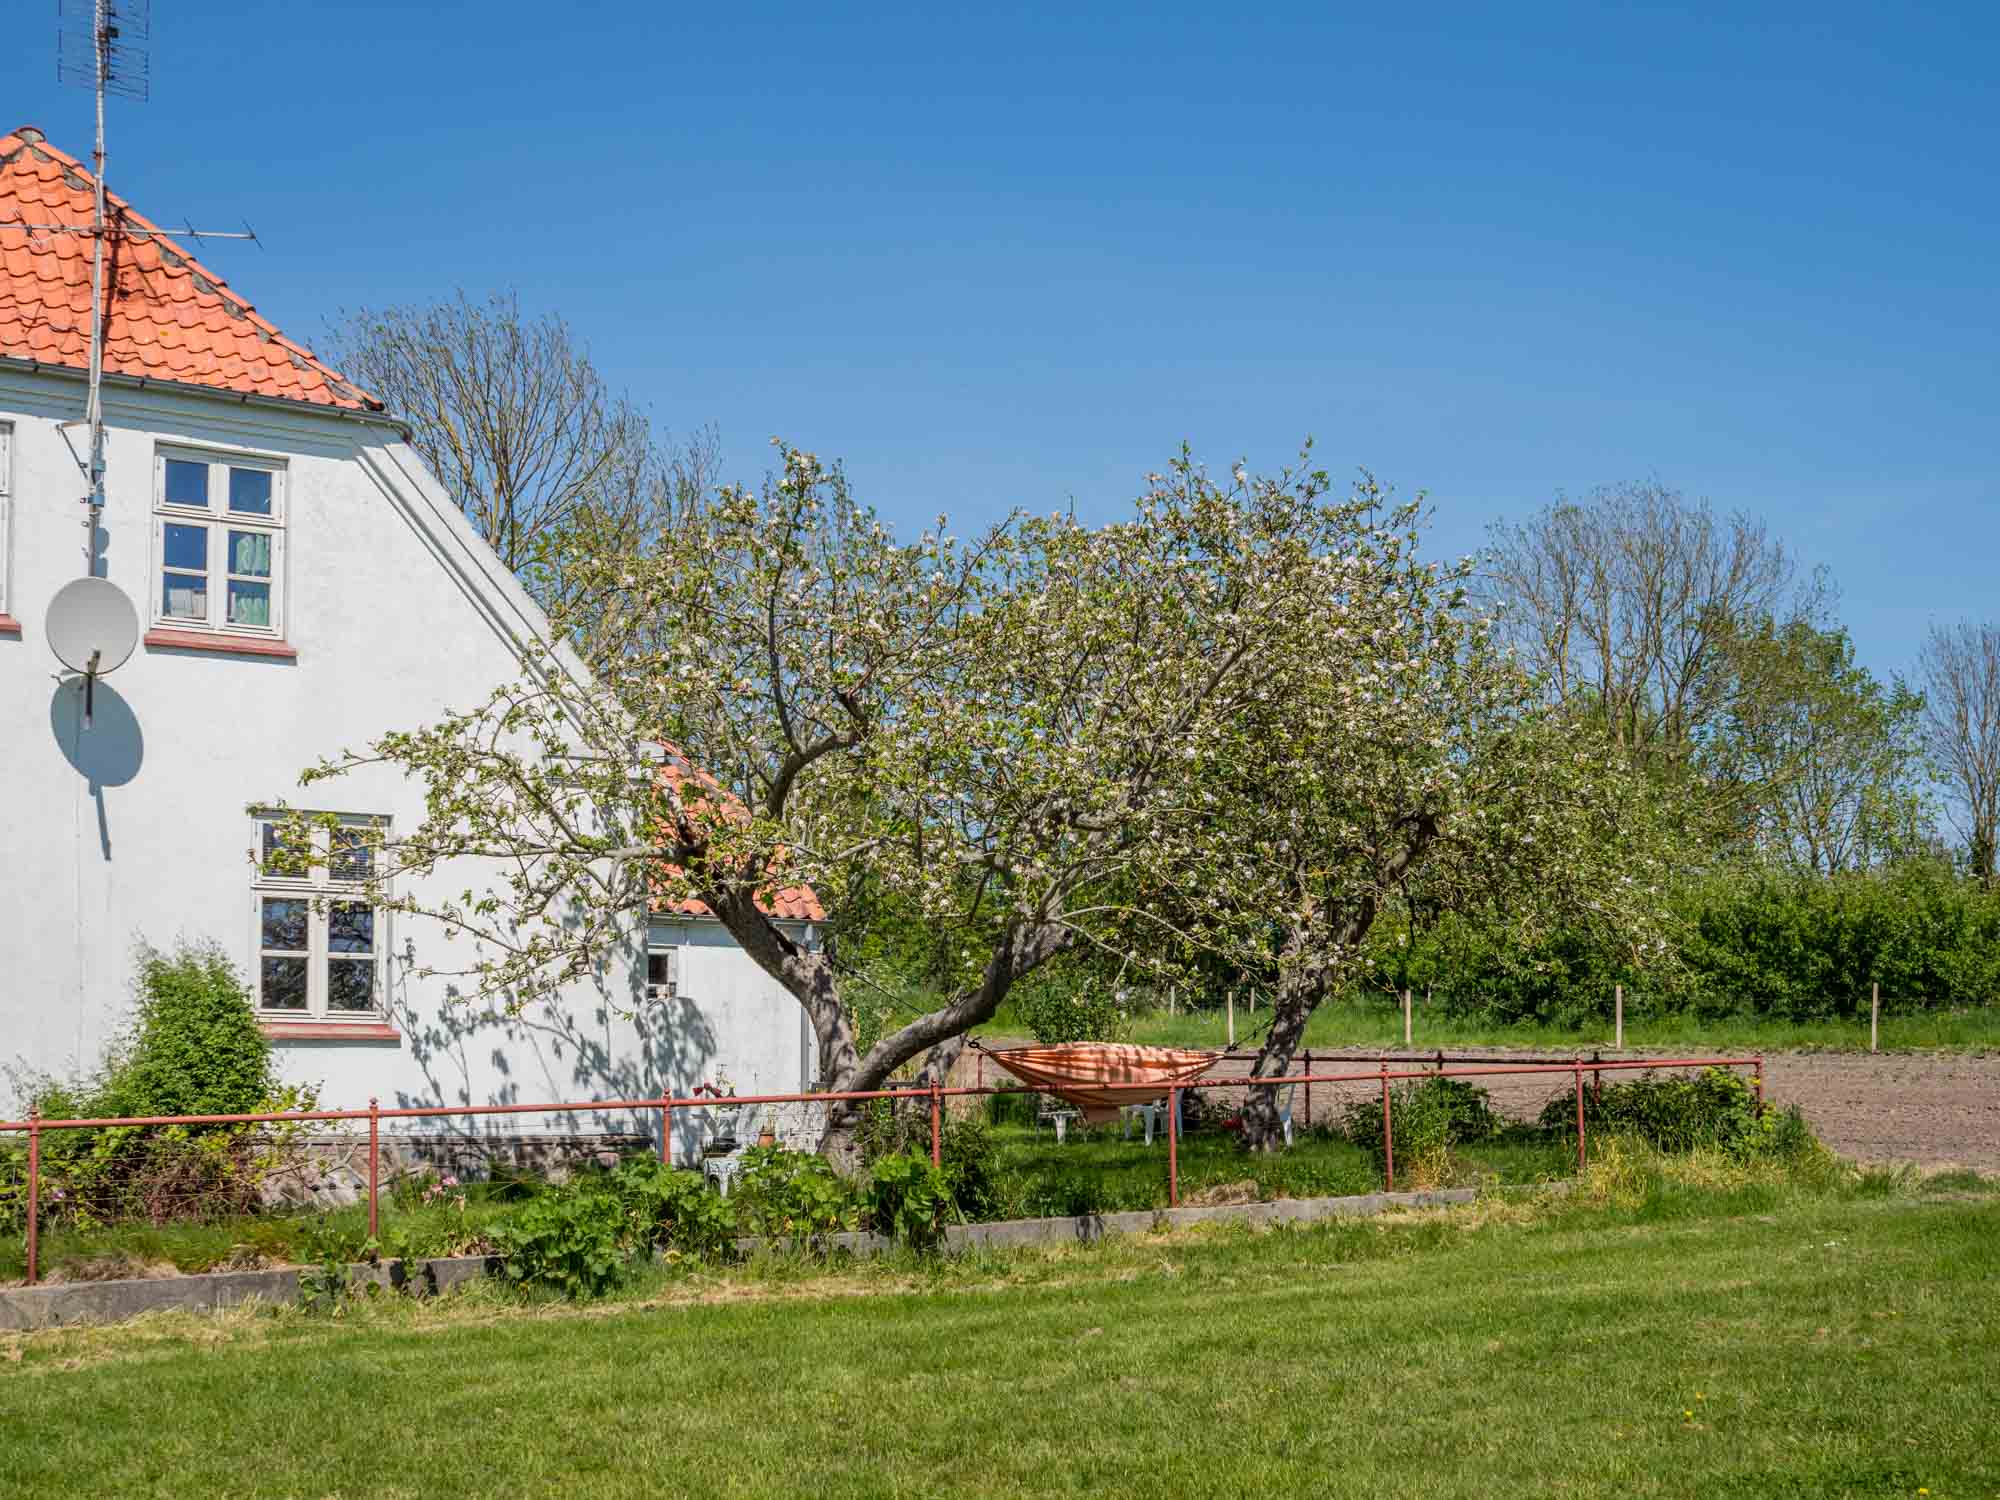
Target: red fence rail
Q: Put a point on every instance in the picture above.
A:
(34, 1126)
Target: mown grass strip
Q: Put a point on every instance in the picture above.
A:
(1733, 1337)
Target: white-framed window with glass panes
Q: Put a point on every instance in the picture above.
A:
(6, 510)
(320, 944)
(219, 542)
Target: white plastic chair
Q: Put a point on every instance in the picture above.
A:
(1050, 1108)
(1149, 1114)
(720, 1167)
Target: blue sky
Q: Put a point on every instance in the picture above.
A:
(1014, 255)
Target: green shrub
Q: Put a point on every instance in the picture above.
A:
(1679, 1112)
(1060, 1007)
(792, 1195)
(193, 1047)
(909, 1200)
(1426, 1119)
(673, 1209)
(574, 1242)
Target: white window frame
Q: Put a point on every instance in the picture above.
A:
(318, 889)
(6, 512)
(670, 955)
(218, 521)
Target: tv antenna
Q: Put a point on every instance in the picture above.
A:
(97, 46)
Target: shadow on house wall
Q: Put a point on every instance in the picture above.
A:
(629, 1047)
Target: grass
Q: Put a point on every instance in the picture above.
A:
(251, 1241)
(1375, 1025)
(1097, 1171)
(1686, 1329)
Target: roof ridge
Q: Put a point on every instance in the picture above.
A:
(32, 139)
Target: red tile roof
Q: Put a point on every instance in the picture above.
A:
(792, 903)
(170, 318)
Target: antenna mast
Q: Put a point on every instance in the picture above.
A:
(96, 48)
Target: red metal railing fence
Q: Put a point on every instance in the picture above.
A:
(935, 1093)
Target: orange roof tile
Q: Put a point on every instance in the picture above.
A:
(169, 317)
(792, 903)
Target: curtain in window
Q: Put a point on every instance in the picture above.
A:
(250, 552)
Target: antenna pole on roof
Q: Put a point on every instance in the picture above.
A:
(95, 414)
(103, 57)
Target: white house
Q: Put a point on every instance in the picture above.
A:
(302, 585)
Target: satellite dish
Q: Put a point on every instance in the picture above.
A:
(92, 628)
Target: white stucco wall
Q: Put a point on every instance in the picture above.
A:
(138, 829)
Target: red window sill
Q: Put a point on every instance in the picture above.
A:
(226, 645)
(328, 1031)
(9, 625)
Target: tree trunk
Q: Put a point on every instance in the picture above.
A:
(1297, 996)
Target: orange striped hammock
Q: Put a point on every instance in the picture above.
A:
(1080, 1071)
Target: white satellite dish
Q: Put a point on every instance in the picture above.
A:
(92, 628)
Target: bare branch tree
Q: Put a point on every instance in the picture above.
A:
(519, 426)
(1621, 603)
(1960, 666)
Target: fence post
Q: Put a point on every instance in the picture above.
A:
(1618, 1011)
(1406, 1019)
(1388, 1136)
(666, 1126)
(1232, 1018)
(1309, 1088)
(1580, 1157)
(1875, 1017)
(34, 1194)
(374, 1164)
(1173, 1145)
(937, 1122)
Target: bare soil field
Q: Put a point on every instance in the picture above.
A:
(1935, 1109)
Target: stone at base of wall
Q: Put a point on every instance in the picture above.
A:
(110, 1301)
(331, 1170)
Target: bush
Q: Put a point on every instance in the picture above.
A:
(673, 1209)
(194, 1047)
(966, 1151)
(1426, 1119)
(909, 1200)
(792, 1195)
(1680, 1113)
(574, 1241)
(1057, 1008)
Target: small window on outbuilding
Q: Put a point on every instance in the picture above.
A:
(662, 973)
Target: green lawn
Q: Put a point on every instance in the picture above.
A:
(1352, 1024)
(1098, 1171)
(1644, 1337)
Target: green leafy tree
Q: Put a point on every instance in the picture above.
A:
(1822, 762)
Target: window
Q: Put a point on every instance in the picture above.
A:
(319, 941)
(219, 535)
(662, 973)
(6, 491)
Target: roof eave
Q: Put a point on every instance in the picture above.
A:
(210, 393)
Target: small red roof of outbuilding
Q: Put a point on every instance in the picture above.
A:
(169, 317)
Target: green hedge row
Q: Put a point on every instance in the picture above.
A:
(1764, 944)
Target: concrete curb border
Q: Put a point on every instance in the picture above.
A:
(69, 1303)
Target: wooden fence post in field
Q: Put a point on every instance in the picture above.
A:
(1406, 1019)
(1618, 1018)
(1875, 1018)
(1232, 1018)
